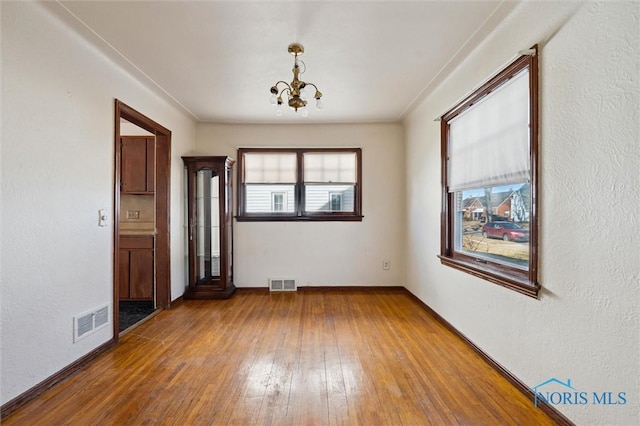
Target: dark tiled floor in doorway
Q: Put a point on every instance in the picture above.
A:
(132, 311)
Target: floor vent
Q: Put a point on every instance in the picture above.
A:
(282, 284)
(89, 322)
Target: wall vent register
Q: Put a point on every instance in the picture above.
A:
(89, 322)
(282, 284)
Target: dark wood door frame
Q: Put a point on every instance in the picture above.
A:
(162, 207)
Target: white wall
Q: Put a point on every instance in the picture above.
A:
(584, 327)
(323, 253)
(130, 129)
(57, 171)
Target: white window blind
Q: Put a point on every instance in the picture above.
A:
(489, 142)
(333, 167)
(270, 168)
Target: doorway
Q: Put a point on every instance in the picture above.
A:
(160, 251)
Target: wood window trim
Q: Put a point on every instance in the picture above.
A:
(299, 214)
(524, 282)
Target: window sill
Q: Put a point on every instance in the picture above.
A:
(493, 275)
(310, 218)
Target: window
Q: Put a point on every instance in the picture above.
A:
(277, 201)
(299, 184)
(489, 180)
(335, 201)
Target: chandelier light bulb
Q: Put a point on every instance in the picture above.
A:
(273, 99)
(305, 112)
(319, 104)
(279, 110)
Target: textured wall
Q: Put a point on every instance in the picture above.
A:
(57, 171)
(584, 327)
(323, 253)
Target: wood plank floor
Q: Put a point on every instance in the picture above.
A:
(326, 357)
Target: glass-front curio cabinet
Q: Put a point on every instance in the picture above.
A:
(209, 227)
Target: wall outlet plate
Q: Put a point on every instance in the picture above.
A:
(133, 214)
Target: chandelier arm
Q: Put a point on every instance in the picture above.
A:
(317, 91)
(283, 82)
(279, 91)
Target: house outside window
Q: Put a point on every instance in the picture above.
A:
(299, 184)
(489, 180)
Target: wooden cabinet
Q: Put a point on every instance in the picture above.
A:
(136, 267)
(138, 164)
(210, 227)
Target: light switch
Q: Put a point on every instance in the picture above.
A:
(102, 218)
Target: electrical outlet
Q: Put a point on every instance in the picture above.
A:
(386, 265)
(133, 214)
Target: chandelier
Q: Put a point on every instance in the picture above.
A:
(297, 91)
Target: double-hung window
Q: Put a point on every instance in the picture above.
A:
(280, 184)
(489, 180)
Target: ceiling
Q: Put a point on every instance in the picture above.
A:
(372, 60)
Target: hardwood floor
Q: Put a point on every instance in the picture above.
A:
(324, 357)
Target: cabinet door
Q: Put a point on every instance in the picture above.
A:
(136, 268)
(141, 274)
(138, 165)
